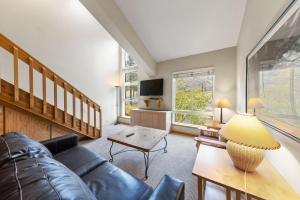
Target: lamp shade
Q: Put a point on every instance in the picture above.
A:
(246, 129)
(222, 103)
(255, 103)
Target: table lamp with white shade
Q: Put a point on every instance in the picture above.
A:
(247, 139)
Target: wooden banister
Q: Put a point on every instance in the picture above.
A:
(13, 96)
(89, 116)
(65, 103)
(16, 73)
(81, 112)
(44, 92)
(31, 96)
(74, 107)
(55, 98)
(95, 120)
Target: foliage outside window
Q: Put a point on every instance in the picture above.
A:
(193, 96)
(130, 83)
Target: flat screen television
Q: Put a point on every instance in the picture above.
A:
(152, 87)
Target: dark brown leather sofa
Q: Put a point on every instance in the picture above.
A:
(66, 171)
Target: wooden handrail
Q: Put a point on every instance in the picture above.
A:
(30, 103)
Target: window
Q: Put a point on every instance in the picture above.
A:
(193, 95)
(130, 83)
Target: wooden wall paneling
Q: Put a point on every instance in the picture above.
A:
(44, 92)
(31, 96)
(32, 126)
(57, 131)
(16, 74)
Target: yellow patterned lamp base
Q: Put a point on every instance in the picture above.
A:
(243, 157)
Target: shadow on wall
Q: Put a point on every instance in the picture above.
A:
(286, 159)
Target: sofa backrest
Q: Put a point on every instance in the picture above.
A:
(14, 144)
(28, 171)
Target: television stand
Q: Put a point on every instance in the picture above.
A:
(158, 119)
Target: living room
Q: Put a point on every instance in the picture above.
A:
(136, 99)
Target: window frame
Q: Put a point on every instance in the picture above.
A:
(193, 112)
(123, 71)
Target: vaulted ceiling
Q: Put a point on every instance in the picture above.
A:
(175, 28)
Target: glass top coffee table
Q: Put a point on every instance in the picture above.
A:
(140, 139)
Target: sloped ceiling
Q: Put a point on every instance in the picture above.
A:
(176, 28)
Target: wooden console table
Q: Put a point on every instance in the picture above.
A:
(214, 165)
(151, 118)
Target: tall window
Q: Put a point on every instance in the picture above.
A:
(130, 83)
(193, 95)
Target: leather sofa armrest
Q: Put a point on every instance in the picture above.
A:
(60, 144)
(168, 189)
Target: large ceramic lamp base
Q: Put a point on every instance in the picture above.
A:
(243, 157)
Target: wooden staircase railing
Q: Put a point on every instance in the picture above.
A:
(12, 95)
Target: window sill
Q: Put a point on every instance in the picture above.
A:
(185, 125)
(125, 117)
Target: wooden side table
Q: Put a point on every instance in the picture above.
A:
(209, 141)
(214, 165)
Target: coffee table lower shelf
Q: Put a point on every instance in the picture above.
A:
(145, 152)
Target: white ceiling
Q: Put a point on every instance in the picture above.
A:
(175, 28)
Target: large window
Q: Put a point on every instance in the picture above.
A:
(193, 95)
(130, 83)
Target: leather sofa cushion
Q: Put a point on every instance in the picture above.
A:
(80, 160)
(110, 182)
(40, 178)
(14, 144)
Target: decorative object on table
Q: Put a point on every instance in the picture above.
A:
(273, 69)
(213, 124)
(222, 103)
(210, 132)
(158, 101)
(255, 103)
(146, 101)
(247, 139)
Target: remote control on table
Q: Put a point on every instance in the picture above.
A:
(130, 134)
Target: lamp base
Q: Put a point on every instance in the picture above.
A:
(243, 157)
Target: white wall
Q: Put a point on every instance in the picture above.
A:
(224, 62)
(65, 37)
(259, 17)
(112, 18)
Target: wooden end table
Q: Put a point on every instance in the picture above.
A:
(140, 139)
(214, 165)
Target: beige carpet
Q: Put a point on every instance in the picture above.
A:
(178, 162)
